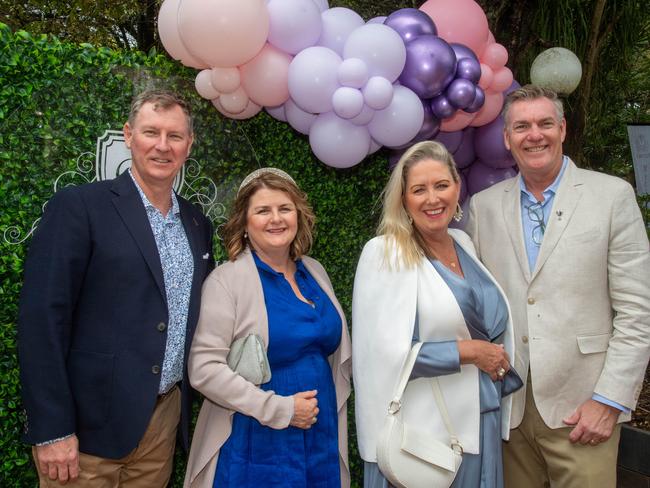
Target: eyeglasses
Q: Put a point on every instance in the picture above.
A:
(536, 216)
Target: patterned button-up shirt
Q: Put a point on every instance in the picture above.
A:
(178, 268)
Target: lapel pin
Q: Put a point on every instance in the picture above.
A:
(559, 214)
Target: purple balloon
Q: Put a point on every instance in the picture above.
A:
(451, 140)
(462, 51)
(513, 86)
(465, 155)
(489, 145)
(469, 69)
(430, 66)
(461, 93)
(481, 176)
(411, 23)
(441, 107)
(478, 102)
(393, 157)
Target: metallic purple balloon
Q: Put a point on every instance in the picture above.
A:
(441, 107)
(411, 23)
(468, 69)
(430, 66)
(478, 102)
(462, 51)
(461, 93)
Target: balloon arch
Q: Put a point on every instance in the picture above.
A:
(352, 86)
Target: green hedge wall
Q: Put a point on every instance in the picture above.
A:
(57, 98)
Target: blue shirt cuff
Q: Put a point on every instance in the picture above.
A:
(602, 399)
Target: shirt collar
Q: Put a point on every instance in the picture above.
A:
(552, 188)
(175, 209)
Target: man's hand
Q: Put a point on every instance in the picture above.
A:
(594, 422)
(59, 460)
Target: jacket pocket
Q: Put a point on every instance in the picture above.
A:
(589, 344)
(91, 382)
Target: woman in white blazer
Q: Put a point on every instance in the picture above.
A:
(420, 281)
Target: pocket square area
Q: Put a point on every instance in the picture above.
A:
(206, 255)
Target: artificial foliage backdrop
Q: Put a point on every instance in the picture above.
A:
(57, 98)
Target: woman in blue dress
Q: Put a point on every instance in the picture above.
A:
(290, 431)
(421, 281)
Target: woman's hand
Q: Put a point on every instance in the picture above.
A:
(488, 357)
(305, 409)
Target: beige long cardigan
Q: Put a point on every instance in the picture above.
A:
(232, 306)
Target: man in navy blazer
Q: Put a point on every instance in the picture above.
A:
(108, 309)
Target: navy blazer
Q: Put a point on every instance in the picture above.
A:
(92, 325)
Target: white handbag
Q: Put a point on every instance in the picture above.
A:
(248, 358)
(407, 457)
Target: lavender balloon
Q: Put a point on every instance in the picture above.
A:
(478, 102)
(411, 23)
(468, 69)
(465, 154)
(430, 66)
(489, 145)
(430, 127)
(441, 107)
(462, 51)
(481, 176)
(460, 93)
(451, 140)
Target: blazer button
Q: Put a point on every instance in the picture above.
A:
(161, 326)
(531, 301)
(524, 339)
(155, 369)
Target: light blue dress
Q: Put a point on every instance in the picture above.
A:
(301, 337)
(486, 316)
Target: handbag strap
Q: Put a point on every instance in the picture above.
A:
(396, 402)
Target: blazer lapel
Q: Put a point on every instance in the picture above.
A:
(512, 217)
(566, 200)
(191, 226)
(129, 205)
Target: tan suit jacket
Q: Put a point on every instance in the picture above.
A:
(232, 306)
(582, 316)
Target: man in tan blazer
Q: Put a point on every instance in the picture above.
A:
(570, 249)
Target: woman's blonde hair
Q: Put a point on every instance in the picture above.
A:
(234, 230)
(395, 224)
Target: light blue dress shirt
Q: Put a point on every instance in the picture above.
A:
(532, 249)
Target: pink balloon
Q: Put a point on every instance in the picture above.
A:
(250, 110)
(225, 80)
(490, 39)
(460, 21)
(487, 75)
(490, 110)
(501, 81)
(223, 33)
(235, 102)
(170, 37)
(495, 56)
(265, 76)
(458, 121)
(204, 85)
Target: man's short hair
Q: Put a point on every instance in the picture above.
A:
(532, 92)
(161, 99)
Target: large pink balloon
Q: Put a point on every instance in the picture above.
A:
(459, 21)
(338, 142)
(250, 110)
(223, 33)
(265, 76)
(490, 110)
(171, 39)
(458, 121)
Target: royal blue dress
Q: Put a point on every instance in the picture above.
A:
(301, 337)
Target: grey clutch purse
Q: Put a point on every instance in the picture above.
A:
(247, 357)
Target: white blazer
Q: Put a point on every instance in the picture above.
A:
(384, 306)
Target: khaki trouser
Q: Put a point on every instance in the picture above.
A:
(539, 457)
(149, 465)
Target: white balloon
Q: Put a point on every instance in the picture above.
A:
(298, 118)
(204, 85)
(277, 112)
(557, 69)
(338, 24)
(380, 47)
(338, 142)
(294, 24)
(312, 78)
(400, 122)
(347, 102)
(378, 92)
(353, 72)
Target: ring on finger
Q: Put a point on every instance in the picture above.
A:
(593, 442)
(313, 421)
(501, 372)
